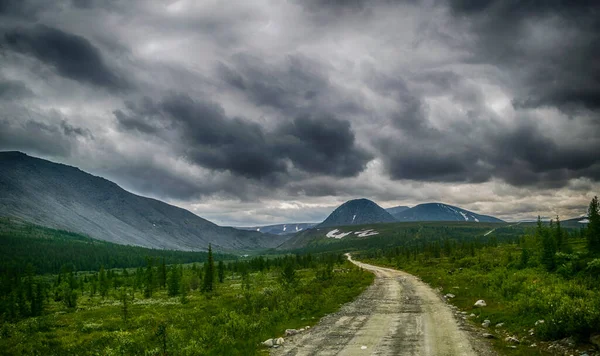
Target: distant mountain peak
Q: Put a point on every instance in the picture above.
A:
(357, 212)
(442, 212)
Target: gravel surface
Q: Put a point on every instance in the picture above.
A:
(397, 315)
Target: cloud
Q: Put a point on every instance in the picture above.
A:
(13, 89)
(211, 139)
(324, 145)
(71, 55)
(531, 41)
(240, 110)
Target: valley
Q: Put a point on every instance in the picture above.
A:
(87, 267)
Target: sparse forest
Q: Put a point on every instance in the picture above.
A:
(220, 308)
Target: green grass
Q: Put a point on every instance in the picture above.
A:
(229, 321)
(517, 296)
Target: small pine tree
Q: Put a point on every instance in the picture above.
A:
(288, 275)
(209, 272)
(593, 229)
(524, 257)
(221, 271)
(124, 304)
(103, 282)
(162, 274)
(149, 278)
(174, 281)
(183, 291)
(548, 250)
(558, 235)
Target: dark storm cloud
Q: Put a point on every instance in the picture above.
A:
(297, 83)
(13, 89)
(39, 137)
(218, 142)
(323, 145)
(551, 47)
(212, 140)
(72, 56)
(23, 8)
(305, 100)
(521, 156)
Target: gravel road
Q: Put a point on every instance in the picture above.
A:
(397, 315)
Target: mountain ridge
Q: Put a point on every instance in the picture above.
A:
(65, 197)
(442, 212)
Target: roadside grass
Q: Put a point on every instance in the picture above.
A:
(229, 321)
(515, 296)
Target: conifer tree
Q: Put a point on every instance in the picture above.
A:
(103, 282)
(558, 235)
(162, 274)
(209, 272)
(174, 281)
(221, 271)
(548, 257)
(149, 278)
(593, 229)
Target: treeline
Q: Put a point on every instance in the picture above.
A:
(48, 250)
(418, 236)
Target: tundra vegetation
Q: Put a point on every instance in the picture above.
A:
(160, 308)
(548, 274)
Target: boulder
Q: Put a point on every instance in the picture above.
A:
(450, 296)
(290, 332)
(487, 335)
(512, 339)
(300, 330)
(307, 327)
(499, 325)
(279, 341)
(486, 323)
(268, 343)
(480, 303)
(539, 322)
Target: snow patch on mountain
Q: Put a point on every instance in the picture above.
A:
(365, 233)
(337, 234)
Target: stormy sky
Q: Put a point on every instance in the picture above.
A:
(271, 111)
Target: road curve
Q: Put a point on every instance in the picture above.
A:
(397, 315)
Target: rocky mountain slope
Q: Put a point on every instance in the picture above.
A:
(64, 197)
(441, 212)
(357, 212)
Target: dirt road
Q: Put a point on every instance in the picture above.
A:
(397, 315)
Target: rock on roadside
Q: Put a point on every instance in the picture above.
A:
(480, 303)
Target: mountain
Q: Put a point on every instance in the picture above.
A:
(441, 212)
(64, 197)
(357, 212)
(397, 210)
(280, 229)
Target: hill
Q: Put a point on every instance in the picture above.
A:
(48, 250)
(280, 229)
(63, 197)
(397, 210)
(442, 212)
(357, 212)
